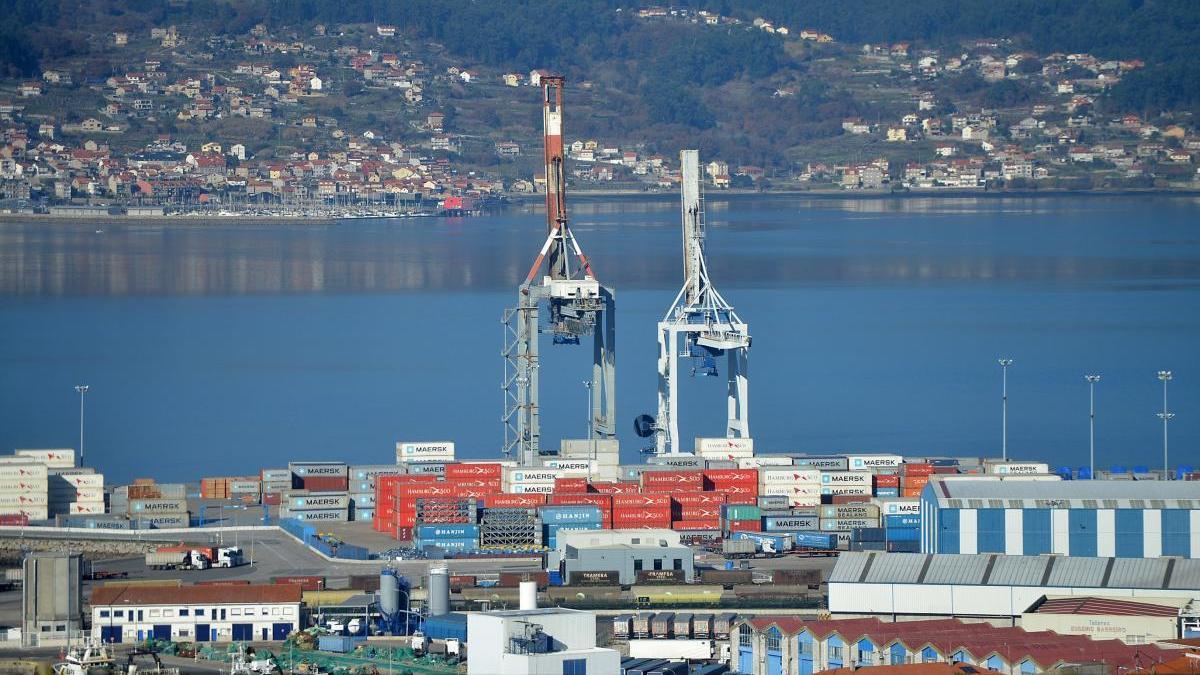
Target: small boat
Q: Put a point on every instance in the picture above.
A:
(91, 657)
(241, 664)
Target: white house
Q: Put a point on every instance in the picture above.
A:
(315, 84)
(267, 612)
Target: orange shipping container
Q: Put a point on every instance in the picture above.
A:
(910, 492)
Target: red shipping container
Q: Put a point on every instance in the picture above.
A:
(849, 499)
(668, 481)
(305, 583)
(617, 488)
(427, 490)
(470, 491)
(462, 581)
(640, 501)
(603, 501)
(325, 483)
(698, 498)
(18, 519)
(510, 501)
(571, 485)
(698, 512)
(474, 471)
(945, 469)
(731, 490)
(492, 484)
(916, 469)
(742, 500)
(706, 524)
(911, 491)
(914, 481)
(887, 480)
(744, 525)
(271, 498)
(664, 525)
(731, 476)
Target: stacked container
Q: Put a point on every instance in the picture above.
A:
(319, 476)
(801, 487)
(362, 488)
(460, 537)
(741, 518)
(274, 483)
(509, 528)
(522, 480)
(327, 507)
(427, 451)
(740, 486)
(640, 511)
(158, 513)
(558, 518)
(855, 483)
(696, 510)
(246, 489)
(24, 491)
(75, 492)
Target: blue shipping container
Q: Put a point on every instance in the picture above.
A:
(449, 544)
(447, 626)
(904, 547)
(867, 534)
(338, 644)
(902, 520)
(558, 515)
(903, 534)
(887, 492)
(825, 542)
(454, 531)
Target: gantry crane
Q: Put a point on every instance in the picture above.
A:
(577, 305)
(708, 324)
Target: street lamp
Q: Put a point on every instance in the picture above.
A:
(1165, 416)
(82, 389)
(1004, 364)
(1092, 380)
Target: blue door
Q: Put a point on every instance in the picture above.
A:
(745, 660)
(110, 634)
(279, 631)
(266, 634)
(243, 631)
(162, 631)
(141, 635)
(201, 632)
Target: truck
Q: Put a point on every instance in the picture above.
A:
(174, 559)
(755, 545)
(229, 556)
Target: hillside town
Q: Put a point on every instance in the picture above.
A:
(361, 120)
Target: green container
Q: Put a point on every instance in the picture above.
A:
(742, 512)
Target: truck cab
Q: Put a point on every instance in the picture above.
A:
(229, 557)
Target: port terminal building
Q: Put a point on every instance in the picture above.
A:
(1119, 519)
(267, 612)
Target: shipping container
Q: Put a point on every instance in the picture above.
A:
(307, 583)
(726, 577)
(850, 511)
(1017, 468)
(139, 507)
(622, 626)
(730, 448)
(321, 515)
(447, 531)
(662, 623)
(561, 515)
(514, 500)
(452, 626)
(846, 524)
(458, 581)
(678, 462)
(792, 476)
(904, 520)
(669, 481)
(514, 579)
(829, 463)
(777, 523)
(427, 451)
(299, 501)
(886, 481)
(639, 501)
(874, 462)
(806, 577)
(814, 540)
(305, 470)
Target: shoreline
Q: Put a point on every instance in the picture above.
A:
(524, 199)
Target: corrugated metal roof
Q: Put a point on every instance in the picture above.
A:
(1071, 571)
(898, 568)
(1018, 570)
(1186, 575)
(195, 595)
(957, 569)
(1064, 494)
(1137, 573)
(849, 566)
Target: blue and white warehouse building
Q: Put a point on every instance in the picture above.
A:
(1122, 519)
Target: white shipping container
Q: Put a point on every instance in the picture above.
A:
(796, 476)
(23, 471)
(86, 508)
(56, 457)
(300, 501)
(146, 507)
(31, 512)
(517, 475)
(318, 469)
(531, 488)
(831, 478)
(277, 475)
(431, 451)
(24, 499)
(82, 495)
(70, 471)
(1017, 468)
(846, 524)
(874, 462)
(245, 487)
(725, 448)
(572, 468)
(322, 516)
(163, 521)
(90, 480)
(682, 649)
(855, 490)
(22, 486)
(899, 507)
(802, 490)
(764, 460)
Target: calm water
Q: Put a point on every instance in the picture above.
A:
(877, 324)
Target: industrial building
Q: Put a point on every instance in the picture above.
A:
(787, 645)
(633, 563)
(548, 641)
(51, 598)
(195, 613)
(996, 587)
(1145, 621)
(1123, 519)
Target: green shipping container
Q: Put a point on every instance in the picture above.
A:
(741, 512)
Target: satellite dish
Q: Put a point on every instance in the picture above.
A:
(643, 426)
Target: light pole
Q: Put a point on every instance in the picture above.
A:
(1004, 364)
(1165, 415)
(1092, 380)
(82, 389)
(591, 436)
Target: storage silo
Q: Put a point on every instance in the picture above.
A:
(389, 593)
(438, 591)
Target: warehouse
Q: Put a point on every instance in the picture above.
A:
(992, 586)
(1144, 621)
(632, 563)
(548, 640)
(195, 613)
(787, 645)
(1123, 519)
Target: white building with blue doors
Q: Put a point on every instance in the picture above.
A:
(1091, 518)
(195, 613)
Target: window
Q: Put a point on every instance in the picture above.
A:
(168, 612)
(575, 667)
(184, 632)
(275, 611)
(183, 612)
(104, 614)
(658, 563)
(119, 613)
(637, 565)
(745, 635)
(773, 638)
(677, 564)
(199, 611)
(236, 611)
(1135, 639)
(155, 612)
(835, 652)
(804, 646)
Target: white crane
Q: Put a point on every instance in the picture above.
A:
(708, 325)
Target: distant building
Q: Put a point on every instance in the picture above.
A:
(267, 612)
(549, 640)
(51, 599)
